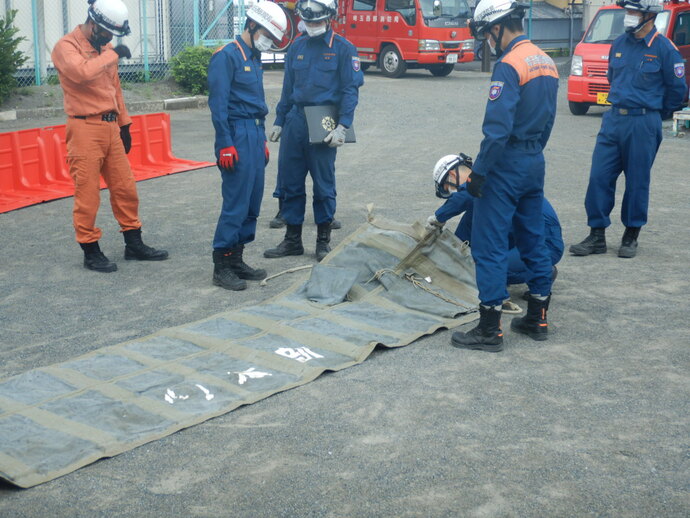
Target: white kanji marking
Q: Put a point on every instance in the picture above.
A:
(250, 373)
(301, 354)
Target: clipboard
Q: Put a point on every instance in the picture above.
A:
(321, 120)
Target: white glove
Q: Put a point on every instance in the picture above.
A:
(433, 224)
(336, 138)
(275, 133)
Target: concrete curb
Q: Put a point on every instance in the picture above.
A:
(181, 103)
(9, 115)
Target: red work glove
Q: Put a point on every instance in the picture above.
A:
(267, 153)
(227, 158)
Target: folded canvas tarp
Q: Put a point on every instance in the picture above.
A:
(384, 284)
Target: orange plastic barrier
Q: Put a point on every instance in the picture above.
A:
(33, 162)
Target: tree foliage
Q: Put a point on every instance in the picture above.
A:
(10, 58)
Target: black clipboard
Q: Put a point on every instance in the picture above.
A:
(321, 120)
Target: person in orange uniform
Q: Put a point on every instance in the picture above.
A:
(98, 137)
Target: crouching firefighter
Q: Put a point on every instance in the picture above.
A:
(507, 177)
(238, 108)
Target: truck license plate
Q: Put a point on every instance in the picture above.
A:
(602, 98)
(452, 58)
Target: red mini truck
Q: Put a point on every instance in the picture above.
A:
(587, 83)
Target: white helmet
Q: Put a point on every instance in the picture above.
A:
(111, 15)
(645, 6)
(317, 10)
(490, 12)
(462, 163)
(271, 17)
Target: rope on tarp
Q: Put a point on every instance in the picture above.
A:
(417, 281)
(289, 270)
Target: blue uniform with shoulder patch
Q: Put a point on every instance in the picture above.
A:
(519, 116)
(318, 71)
(238, 108)
(647, 79)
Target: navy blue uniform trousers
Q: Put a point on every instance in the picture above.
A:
(512, 198)
(243, 187)
(627, 143)
(297, 158)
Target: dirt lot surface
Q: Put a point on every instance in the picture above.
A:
(593, 422)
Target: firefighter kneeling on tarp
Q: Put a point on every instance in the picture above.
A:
(450, 180)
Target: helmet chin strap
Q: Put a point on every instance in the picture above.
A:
(497, 41)
(255, 52)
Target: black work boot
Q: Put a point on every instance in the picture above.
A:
(135, 249)
(487, 336)
(534, 323)
(628, 247)
(323, 237)
(335, 224)
(290, 245)
(96, 260)
(223, 274)
(242, 269)
(594, 243)
(278, 221)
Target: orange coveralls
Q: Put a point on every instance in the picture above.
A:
(94, 148)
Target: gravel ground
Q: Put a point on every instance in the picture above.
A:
(593, 422)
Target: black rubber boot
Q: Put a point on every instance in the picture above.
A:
(628, 247)
(487, 336)
(278, 221)
(336, 225)
(223, 275)
(135, 249)
(96, 260)
(534, 323)
(323, 237)
(594, 243)
(242, 269)
(290, 245)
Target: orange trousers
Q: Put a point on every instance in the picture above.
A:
(95, 149)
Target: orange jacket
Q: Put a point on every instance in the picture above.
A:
(89, 80)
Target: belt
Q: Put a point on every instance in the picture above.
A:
(106, 117)
(257, 122)
(524, 144)
(632, 111)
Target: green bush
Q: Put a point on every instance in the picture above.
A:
(10, 58)
(189, 69)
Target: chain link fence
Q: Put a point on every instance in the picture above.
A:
(160, 30)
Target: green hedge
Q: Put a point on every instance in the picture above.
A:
(189, 69)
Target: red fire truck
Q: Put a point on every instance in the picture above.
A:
(399, 34)
(587, 83)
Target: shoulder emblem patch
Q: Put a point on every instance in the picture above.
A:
(679, 69)
(495, 90)
(356, 64)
